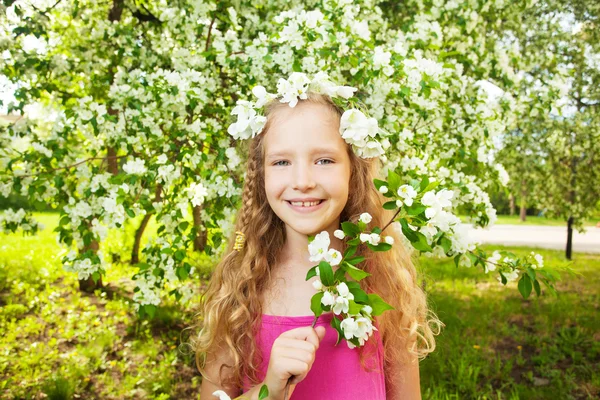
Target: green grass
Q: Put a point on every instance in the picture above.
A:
(498, 345)
(534, 220)
(57, 342)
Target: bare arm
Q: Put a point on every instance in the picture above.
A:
(210, 381)
(406, 384)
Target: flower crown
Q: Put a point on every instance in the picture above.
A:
(356, 128)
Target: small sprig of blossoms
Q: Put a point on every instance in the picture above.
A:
(352, 307)
(356, 128)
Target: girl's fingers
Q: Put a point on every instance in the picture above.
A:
(297, 354)
(297, 344)
(297, 368)
(306, 333)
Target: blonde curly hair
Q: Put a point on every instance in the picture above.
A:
(231, 309)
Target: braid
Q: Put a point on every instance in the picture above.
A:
(248, 194)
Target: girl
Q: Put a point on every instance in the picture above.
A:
(303, 178)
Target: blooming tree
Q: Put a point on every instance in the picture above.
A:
(125, 108)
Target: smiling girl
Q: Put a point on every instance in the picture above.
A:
(303, 178)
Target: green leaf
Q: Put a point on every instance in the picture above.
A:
(530, 271)
(379, 247)
(536, 286)
(415, 209)
(390, 205)
(378, 305)
(340, 275)
(182, 273)
(150, 310)
(379, 183)
(337, 325)
(525, 286)
(311, 272)
(355, 273)
(394, 181)
(446, 244)
(353, 242)
(326, 273)
(179, 255)
(350, 251)
(355, 260)
(457, 260)
(360, 296)
(353, 308)
(315, 304)
(503, 279)
(409, 233)
(421, 242)
(350, 229)
(424, 184)
(263, 393)
(130, 212)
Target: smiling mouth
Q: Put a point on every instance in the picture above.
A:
(306, 204)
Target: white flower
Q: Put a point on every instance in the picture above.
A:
(338, 233)
(510, 276)
(343, 290)
(197, 193)
(349, 327)
(399, 203)
(436, 202)
(341, 305)
(408, 193)
(294, 88)
(383, 189)
(333, 257)
(342, 301)
(389, 240)
(367, 309)
(221, 395)
(372, 238)
(345, 91)
(317, 285)
(135, 167)
(328, 298)
(491, 262)
(319, 246)
(162, 159)
(365, 218)
(540, 260)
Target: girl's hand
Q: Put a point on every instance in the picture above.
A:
(292, 354)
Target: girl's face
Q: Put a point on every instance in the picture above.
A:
(306, 161)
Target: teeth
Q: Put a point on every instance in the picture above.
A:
(305, 204)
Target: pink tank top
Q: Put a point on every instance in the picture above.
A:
(336, 372)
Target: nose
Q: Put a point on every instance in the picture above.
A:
(303, 178)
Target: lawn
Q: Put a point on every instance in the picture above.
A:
(57, 341)
(535, 220)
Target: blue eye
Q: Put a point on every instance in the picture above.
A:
(325, 159)
(278, 162)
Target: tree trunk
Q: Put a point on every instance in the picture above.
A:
(111, 159)
(135, 251)
(511, 203)
(570, 238)
(523, 212)
(200, 239)
(88, 285)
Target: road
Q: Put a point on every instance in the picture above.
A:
(549, 237)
